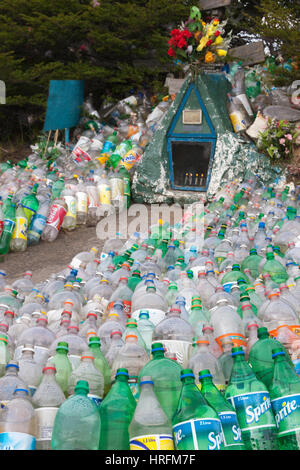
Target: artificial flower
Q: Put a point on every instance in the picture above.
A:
(221, 52)
(217, 33)
(219, 40)
(216, 21)
(181, 43)
(289, 136)
(209, 57)
(171, 52)
(282, 141)
(202, 43)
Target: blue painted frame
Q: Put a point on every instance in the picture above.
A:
(173, 137)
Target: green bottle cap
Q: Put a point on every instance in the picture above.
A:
(253, 251)
(82, 385)
(157, 347)
(122, 372)
(94, 340)
(269, 255)
(262, 332)
(62, 346)
(236, 267)
(186, 373)
(244, 297)
(144, 314)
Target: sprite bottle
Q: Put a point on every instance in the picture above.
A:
(285, 401)
(252, 404)
(196, 425)
(230, 426)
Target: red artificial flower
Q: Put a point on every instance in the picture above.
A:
(174, 32)
(217, 33)
(209, 42)
(172, 42)
(187, 34)
(181, 43)
(171, 52)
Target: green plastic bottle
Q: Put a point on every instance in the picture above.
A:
(196, 425)
(116, 412)
(57, 188)
(4, 354)
(134, 280)
(230, 426)
(260, 356)
(63, 366)
(285, 400)
(252, 404)
(166, 377)
(252, 262)
(275, 269)
(125, 175)
(30, 204)
(7, 203)
(8, 229)
(100, 362)
(230, 278)
(77, 422)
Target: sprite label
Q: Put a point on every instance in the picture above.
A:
(199, 434)
(253, 410)
(287, 414)
(153, 442)
(231, 429)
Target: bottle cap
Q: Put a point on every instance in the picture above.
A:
(237, 351)
(186, 373)
(277, 352)
(62, 345)
(82, 385)
(122, 372)
(115, 333)
(157, 347)
(12, 364)
(146, 380)
(21, 390)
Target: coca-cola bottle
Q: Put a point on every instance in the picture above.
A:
(57, 212)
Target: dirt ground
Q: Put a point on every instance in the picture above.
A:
(47, 258)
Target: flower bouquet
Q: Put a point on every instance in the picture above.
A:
(278, 139)
(197, 43)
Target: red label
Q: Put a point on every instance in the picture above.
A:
(1, 226)
(56, 216)
(127, 307)
(81, 155)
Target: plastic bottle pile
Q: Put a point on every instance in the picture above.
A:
(39, 197)
(186, 337)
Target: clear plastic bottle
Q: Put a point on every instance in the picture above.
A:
(38, 223)
(56, 214)
(150, 428)
(202, 357)
(40, 337)
(69, 222)
(77, 422)
(18, 240)
(87, 371)
(10, 381)
(29, 370)
(18, 428)
(47, 399)
(116, 344)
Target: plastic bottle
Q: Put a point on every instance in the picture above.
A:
(77, 422)
(17, 423)
(57, 212)
(29, 370)
(145, 328)
(30, 204)
(69, 222)
(196, 425)
(203, 357)
(260, 356)
(8, 229)
(100, 361)
(275, 269)
(116, 414)
(284, 393)
(46, 400)
(252, 404)
(87, 371)
(19, 237)
(225, 360)
(150, 428)
(81, 203)
(62, 365)
(231, 430)
(166, 377)
(10, 381)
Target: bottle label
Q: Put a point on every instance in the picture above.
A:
(38, 224)
(286, 410)
(237, 339)
(104, 194)
(80, 155)
(129, 159)
(296, 363)
(20, 230)
(117, 189)
(17, 441)
(95, 398)
(179, 348)
(56, 216)
(153, 442)
(238, 122)
(253, 410)
(199, 434)
(127, 307)
(231, 429)
(1, 226)
(81, 202)
(132, 130)
(71, 203)
(45, 421)
(32, 389)
(8, 226)
(108, 147)
(134, 388)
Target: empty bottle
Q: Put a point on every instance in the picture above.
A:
(252, 404)
(19, 237)
(116, 414)
(88, 372)
(77, 422)
(62, 365)
(150, 428)
(38, 223)
(18, 428)
(231, 430)
(10, 381)
(196, 425)
(46, 400)
(29, 370)
(100, 361)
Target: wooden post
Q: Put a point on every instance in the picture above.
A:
(56, 137)
(47, 143)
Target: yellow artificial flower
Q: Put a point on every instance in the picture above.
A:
(216, 22)
(209, 57)
(219, 40)
(221, 52)
(202, 43)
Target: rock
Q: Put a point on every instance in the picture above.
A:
(282, 113)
